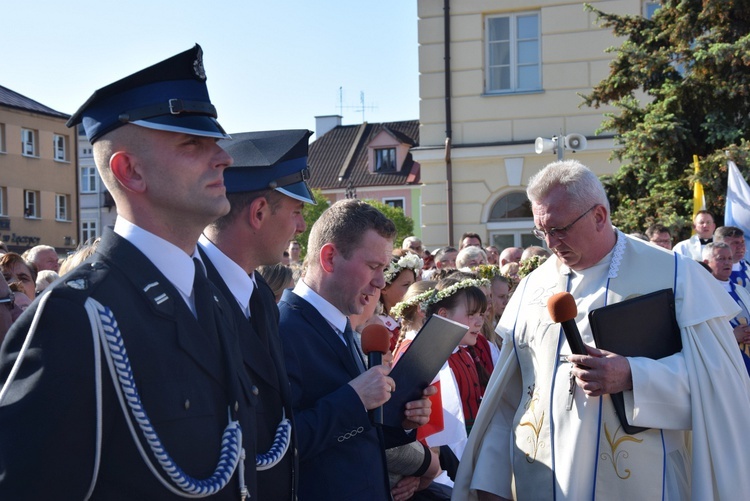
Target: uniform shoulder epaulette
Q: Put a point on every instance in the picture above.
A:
(80, 283)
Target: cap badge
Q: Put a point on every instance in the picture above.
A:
(198, 68)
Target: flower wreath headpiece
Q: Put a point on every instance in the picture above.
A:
(438, 295)
(410, 261)
(490, 271)
(398, 310)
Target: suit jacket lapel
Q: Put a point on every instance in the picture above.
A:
(254, 353)
(322, 328)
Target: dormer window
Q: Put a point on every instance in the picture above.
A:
(385, 159)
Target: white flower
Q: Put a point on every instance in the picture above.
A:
(410, 261)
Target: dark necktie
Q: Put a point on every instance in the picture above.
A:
(353, 350)
(257, 316)
(204, 300)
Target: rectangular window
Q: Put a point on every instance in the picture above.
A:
(88, 179)
(62, 202)
(31, 204)
(28, 143)
(396, 203)
(513, 53)
(60, 148)
(649, 8)
(2, 138)
(385, 159)
(3, 201)
(88, 231)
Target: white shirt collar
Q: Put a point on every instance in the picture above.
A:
(238, 281)
(171, 261)
(329, 312)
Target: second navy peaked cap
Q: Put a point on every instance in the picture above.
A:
(275, 160)
(170, 95)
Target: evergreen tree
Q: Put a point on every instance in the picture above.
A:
(680, 82)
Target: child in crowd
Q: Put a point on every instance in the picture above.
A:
(460, 299)
(400, 274)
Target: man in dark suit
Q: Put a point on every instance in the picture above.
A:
(132, 387)
(341, 451)
(267, 191)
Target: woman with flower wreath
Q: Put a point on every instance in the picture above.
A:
(400, 274)
(461, 299)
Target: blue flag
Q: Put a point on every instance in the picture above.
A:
(737, 211)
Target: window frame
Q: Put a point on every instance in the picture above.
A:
(378, 157)
(62, 211)
(648, 5)
(27, 194)
(25, 134)
(60, 155)
(4, 201)
(89, 230)
(513, 64)
(3, 148)
(388, 201)
(85, 187)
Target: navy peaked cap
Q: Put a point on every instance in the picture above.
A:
(275, 160)
(170, 95)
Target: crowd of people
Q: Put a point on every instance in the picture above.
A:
(193, 351)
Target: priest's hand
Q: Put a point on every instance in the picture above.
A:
(601, 372)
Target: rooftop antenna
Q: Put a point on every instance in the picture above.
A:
(361, 108)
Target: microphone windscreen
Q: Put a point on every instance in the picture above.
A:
(562, 307)
(376, 338)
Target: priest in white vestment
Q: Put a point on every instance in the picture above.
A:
(546, 428)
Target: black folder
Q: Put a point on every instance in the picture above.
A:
(644, 326)
(420, 363)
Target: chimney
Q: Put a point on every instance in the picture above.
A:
(325, 123)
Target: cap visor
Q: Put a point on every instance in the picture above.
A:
(298, 191)
(197, 125)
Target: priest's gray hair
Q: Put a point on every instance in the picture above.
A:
(582, 185)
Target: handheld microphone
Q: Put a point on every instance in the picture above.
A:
(562, 308)
(376, 341)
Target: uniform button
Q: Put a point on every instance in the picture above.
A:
(236, 406)
(187, 404)
(255, 390)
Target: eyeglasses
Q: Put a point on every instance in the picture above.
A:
(9, 300)
(559, 233)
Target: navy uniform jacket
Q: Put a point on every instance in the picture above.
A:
(48, 421)
(341, 453)
(264, 360)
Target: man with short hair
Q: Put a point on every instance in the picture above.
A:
(735, 238)
(547, 428)
(413, 244)
(704, 226)
(510, 255)
(294, 251)
(470, 238)
(658, 234)
(718, 256)
(493, 255)
(445, 258)
(267, 191)
(133, 387)
(44, 257)
(342, 453)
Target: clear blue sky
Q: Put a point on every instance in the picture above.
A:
(270, 65)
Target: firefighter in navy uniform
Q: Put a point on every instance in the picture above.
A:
(267, 191)
(132, 386)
